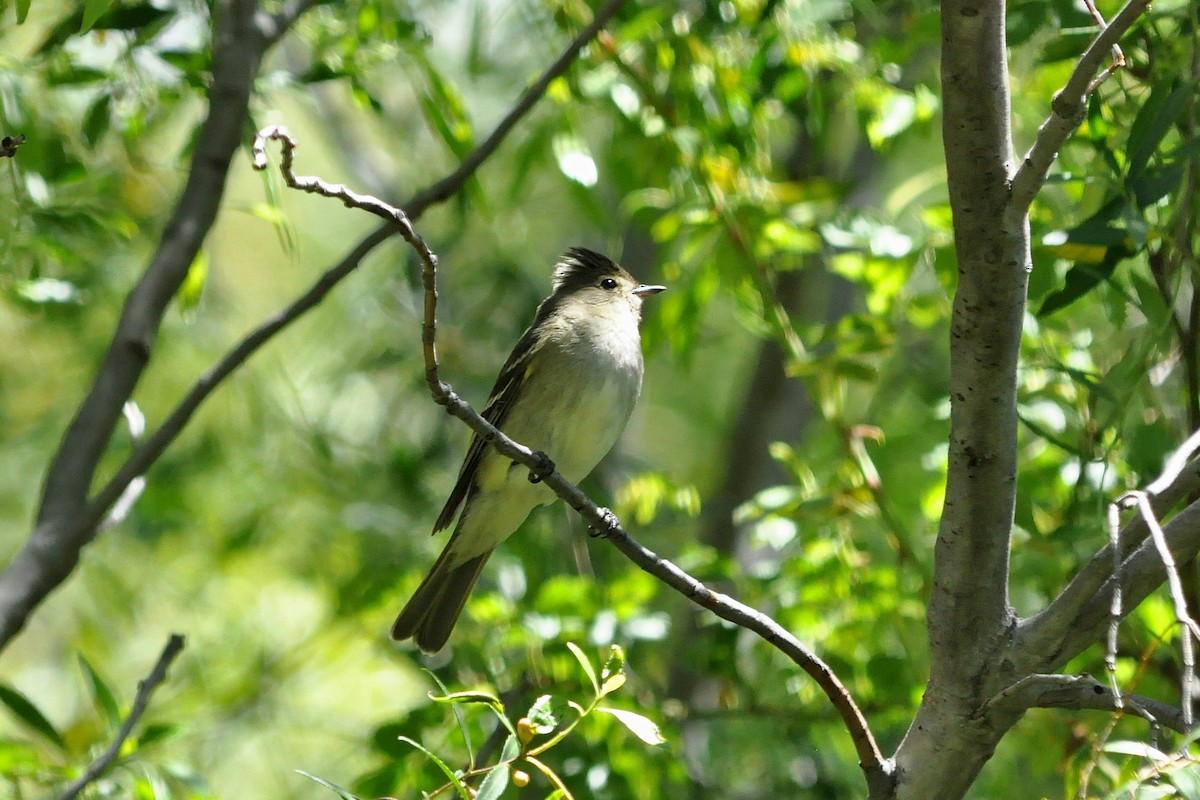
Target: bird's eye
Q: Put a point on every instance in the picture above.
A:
(608, 283)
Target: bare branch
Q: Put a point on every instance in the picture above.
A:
(1041, 638)
(1084, 692)
(1069, 104)
(146, 687)
(1190, 629)
(1141, 573)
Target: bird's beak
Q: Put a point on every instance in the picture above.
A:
(647, 289)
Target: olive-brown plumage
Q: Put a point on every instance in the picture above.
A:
(567, 390)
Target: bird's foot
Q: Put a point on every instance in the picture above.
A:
(545, 467)
(610, 524)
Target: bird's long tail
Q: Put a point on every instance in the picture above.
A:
(430, 615)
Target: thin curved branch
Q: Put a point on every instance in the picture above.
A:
(146, 687)
(600, 520)
(1069, 105)
(1141, 573)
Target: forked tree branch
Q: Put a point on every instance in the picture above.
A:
(601, 521)
(1069, 105)
(1052, 636)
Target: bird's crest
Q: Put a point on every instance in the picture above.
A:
(581, 267)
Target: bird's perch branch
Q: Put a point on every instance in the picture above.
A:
(876, 767)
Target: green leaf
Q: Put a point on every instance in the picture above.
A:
(345, 795)
(541, 715)
(640, 726)
(1081, 279)
(75, 75)
(97, 119)
(450, 774)
(1156, 183)
(28, 713)
(92, 11)
(477, 696)
(496, 781)
(192, 287)
(587, 667)
(460, 717)
(102, 695)
(156, 732)
(474, 696)
(1162, 108)
(22, 10)
(612, 675)
(131, 18)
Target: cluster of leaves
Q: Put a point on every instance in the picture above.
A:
(517, 745)
(47, 758)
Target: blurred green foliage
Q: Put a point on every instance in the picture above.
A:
(778, 165)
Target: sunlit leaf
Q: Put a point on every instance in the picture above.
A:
(333, 787)
(193, 284)
(92, 10)
(642, 727)
(496, 781)
(588, 669)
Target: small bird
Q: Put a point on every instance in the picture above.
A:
(566, 390)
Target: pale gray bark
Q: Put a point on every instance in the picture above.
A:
(980, 651)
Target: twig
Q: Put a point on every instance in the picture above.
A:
(1042, 635)
(1117, 56)
(599, 519)
(449, 185)
(146, 687)
(157, 443)
(1141, 501)
(1069, 104)
(1114, 610)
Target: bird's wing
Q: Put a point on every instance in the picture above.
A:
(508, 386)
